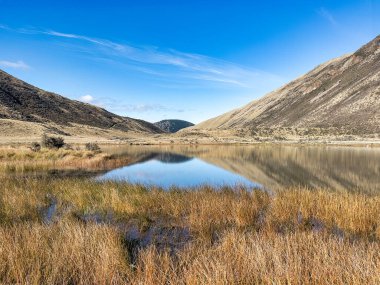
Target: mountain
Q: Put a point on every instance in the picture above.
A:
(173, 126)
(339, 96)
(20, 101)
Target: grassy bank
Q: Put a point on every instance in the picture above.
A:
(23, 159)
(76, 231)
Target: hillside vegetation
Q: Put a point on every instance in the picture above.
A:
(22, 102)
(341, 96)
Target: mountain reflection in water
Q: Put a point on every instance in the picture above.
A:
(269, 166)
(168, 169)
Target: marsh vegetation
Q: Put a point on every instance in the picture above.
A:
(85, 231)
(78, 231)
(26, 160)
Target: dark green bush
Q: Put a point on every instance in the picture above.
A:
(92, 147)
(52, 142)
(35, 146)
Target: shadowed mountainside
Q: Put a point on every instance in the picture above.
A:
(173, 126)
(24, 102)
(340, 96)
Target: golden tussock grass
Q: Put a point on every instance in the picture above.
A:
(22, 159)
(264, 258)
(294, 236)
(64, 253)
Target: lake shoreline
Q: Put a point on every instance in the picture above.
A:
(131, 233)
(271, 166)
(150, 142)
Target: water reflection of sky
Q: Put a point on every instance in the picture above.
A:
(190, 173)
(272, 166)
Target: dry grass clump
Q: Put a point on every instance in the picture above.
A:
(64, 253)
(93, 254)
(264, 258)
(294, 236)
(20, 160)
(205, 211)
(19, 200)
(354, 213)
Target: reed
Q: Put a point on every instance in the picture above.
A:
(236, 236)
(24, 160)
(64, 253)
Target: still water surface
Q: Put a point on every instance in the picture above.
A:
(189, 173)
(263, 166)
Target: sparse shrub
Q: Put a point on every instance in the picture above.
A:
(68, 147)
(35, 146)
(52, 142)
(92, 147)
(89, 155)
(11, 154)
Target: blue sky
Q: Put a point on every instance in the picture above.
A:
(165, 59)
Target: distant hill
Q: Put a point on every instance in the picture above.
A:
(340, 96)
(21, 101)
(172, 126)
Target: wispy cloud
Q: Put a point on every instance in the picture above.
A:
(105, 43)
(87, 99)
(119, 107)
(14, 64)
(159, 62)
(141, 108)
(326, 14)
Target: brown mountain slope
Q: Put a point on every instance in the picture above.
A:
(21, 101)
(342, 95)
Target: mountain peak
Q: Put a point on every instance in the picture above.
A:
(340, 96)
(173, 126)
(23, 102)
